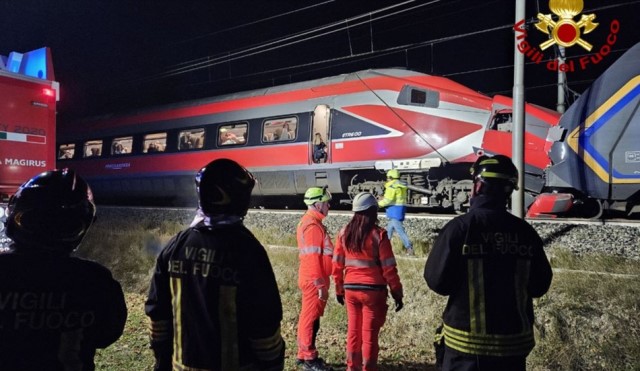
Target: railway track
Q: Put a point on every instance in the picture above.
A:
(580, 236)
(446, 217)
(410, 215)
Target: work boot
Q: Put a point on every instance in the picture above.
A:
(316, 365)
(410, 252)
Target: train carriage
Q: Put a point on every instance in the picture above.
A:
(429, 128)
(595, 166)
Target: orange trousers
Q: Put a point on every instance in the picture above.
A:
(367, 312)
(309, 321)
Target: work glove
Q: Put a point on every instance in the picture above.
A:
(340, 299)
(399, 304)
(397, 298)
(323, 293)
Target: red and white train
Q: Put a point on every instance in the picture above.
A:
(428, 127)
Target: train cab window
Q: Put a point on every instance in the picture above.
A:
(233, 134)
(502, 121)
(191, 139)
(122, 145)
(412, 96)
(93, 148)
(282, 129)
(66, 151)
(154, 142)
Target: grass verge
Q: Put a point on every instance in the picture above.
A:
(587, 321)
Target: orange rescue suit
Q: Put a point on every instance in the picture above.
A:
(315, 254)
(367, 267)
(362, 278)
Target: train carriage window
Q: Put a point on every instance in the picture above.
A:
(122, 145)
(191, 139)
(66, 151)
(93, 148)
(154, 142)
(282, 129)
(413, 96)
(232, 134)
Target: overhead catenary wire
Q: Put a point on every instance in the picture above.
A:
(321, 31)
(262, 20)
(229, 56)
(275, 44)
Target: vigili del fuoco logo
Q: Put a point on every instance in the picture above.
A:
(564, 31)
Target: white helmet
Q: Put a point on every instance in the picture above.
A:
(363, 201)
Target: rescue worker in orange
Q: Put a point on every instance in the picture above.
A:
(363, 267)
(315, 254)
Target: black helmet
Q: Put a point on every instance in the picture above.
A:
(224, 187)
(51, 211)
(498, 170)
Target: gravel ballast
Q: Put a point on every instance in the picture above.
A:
(616, 240)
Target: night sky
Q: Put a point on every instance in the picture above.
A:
(114, 56)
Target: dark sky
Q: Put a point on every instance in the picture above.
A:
(115, 55)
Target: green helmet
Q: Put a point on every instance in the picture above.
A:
(393, 174)
(316, 194)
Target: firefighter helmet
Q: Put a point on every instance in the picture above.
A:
(498, 169)
(363, 201)
(224, 188)
(393, 174)
(52, 211)
(316, 194)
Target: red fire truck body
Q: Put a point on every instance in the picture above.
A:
(28, 96)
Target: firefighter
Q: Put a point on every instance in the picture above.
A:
(56, 309)
(315, 252)
(394, 200)
(363, 267)
(491, 264)
(213, 301)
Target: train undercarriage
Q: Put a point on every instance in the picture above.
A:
(445, 188)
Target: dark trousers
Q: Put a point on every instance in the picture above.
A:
(455, 361)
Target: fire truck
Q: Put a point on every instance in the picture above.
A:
(28, 97)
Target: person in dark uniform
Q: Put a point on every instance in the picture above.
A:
(55, 310)
(214, 302)
(491, 264)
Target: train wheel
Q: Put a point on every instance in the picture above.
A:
(591, 208)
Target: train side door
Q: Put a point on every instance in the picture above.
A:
(320, 142)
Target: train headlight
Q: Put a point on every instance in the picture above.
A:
(2, 212)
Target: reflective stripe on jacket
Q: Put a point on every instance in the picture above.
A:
(490, 264)
(207, 284)
(395, 198)
(315, 250)
(367, 267)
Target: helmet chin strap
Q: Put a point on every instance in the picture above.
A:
(477, 187)
(318, 206)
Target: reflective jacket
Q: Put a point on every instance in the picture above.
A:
(372, 267)
(315, 250)
(490, 263)
(214, 302)
(395, 199)
(55, 310)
